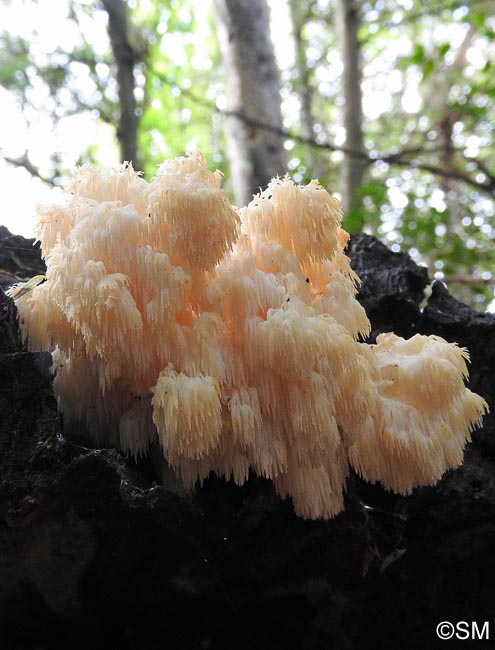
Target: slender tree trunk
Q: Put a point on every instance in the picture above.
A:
(125, 59)
(437, 99)
(304, 90)
(354, 165)
(252, 88)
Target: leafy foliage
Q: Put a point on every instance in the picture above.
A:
(428, 87)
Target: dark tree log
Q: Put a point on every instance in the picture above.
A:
(19, 259)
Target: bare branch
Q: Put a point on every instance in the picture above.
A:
(24, 162)
(486, 171)
(467, 279)
(398, 158)
(427, 10)
(456, 174)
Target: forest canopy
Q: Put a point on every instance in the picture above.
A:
(390, 103)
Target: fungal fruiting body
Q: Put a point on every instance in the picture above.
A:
(231, 337)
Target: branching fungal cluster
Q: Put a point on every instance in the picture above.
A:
(231, 337)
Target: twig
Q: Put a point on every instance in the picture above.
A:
(467, 279)
(24, 162)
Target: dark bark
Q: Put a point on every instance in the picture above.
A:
(125, 59)
(354, 165)
(252, 88)
(19, 260)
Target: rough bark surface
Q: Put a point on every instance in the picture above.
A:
(94, 554)
(354, 165)
(125, 59)
(252, 88)
(19, 258)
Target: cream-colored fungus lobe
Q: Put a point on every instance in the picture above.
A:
(231, 338)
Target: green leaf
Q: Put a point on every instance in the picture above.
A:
(428, 68)
(418, 54)
(443, 48)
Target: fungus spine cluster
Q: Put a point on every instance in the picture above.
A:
(231, 337)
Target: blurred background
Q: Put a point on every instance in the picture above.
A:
(390, 103)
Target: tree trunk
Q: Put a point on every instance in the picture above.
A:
(304, 90)
(354, 165)
(253, 93)
(438, 100)
(125, 58)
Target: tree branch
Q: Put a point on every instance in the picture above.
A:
(467, 279)
(397, 158)
(426, 11)
(24, 162)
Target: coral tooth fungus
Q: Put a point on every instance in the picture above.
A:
(231, 337)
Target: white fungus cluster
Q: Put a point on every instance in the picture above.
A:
(231, 337)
